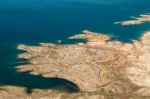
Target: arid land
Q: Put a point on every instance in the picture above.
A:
(99, 68)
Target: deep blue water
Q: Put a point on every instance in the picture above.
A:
(34, 21)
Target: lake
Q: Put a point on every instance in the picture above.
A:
(34, 21)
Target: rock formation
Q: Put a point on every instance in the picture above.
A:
(143, 18)
(13, 92)
(97, 66)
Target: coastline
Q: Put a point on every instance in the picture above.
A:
(100, 60)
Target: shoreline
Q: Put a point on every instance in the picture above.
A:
(99, 57)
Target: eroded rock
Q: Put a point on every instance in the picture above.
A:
(99, 65)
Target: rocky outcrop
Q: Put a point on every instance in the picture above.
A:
(136, 21)
(99, 65)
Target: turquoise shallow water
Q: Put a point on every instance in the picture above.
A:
(34, 21)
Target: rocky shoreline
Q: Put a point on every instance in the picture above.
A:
(136, 20)
(100, 68)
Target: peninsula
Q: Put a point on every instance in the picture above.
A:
(136, 20)
(100, 68)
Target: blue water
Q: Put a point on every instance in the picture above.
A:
(34, 21)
